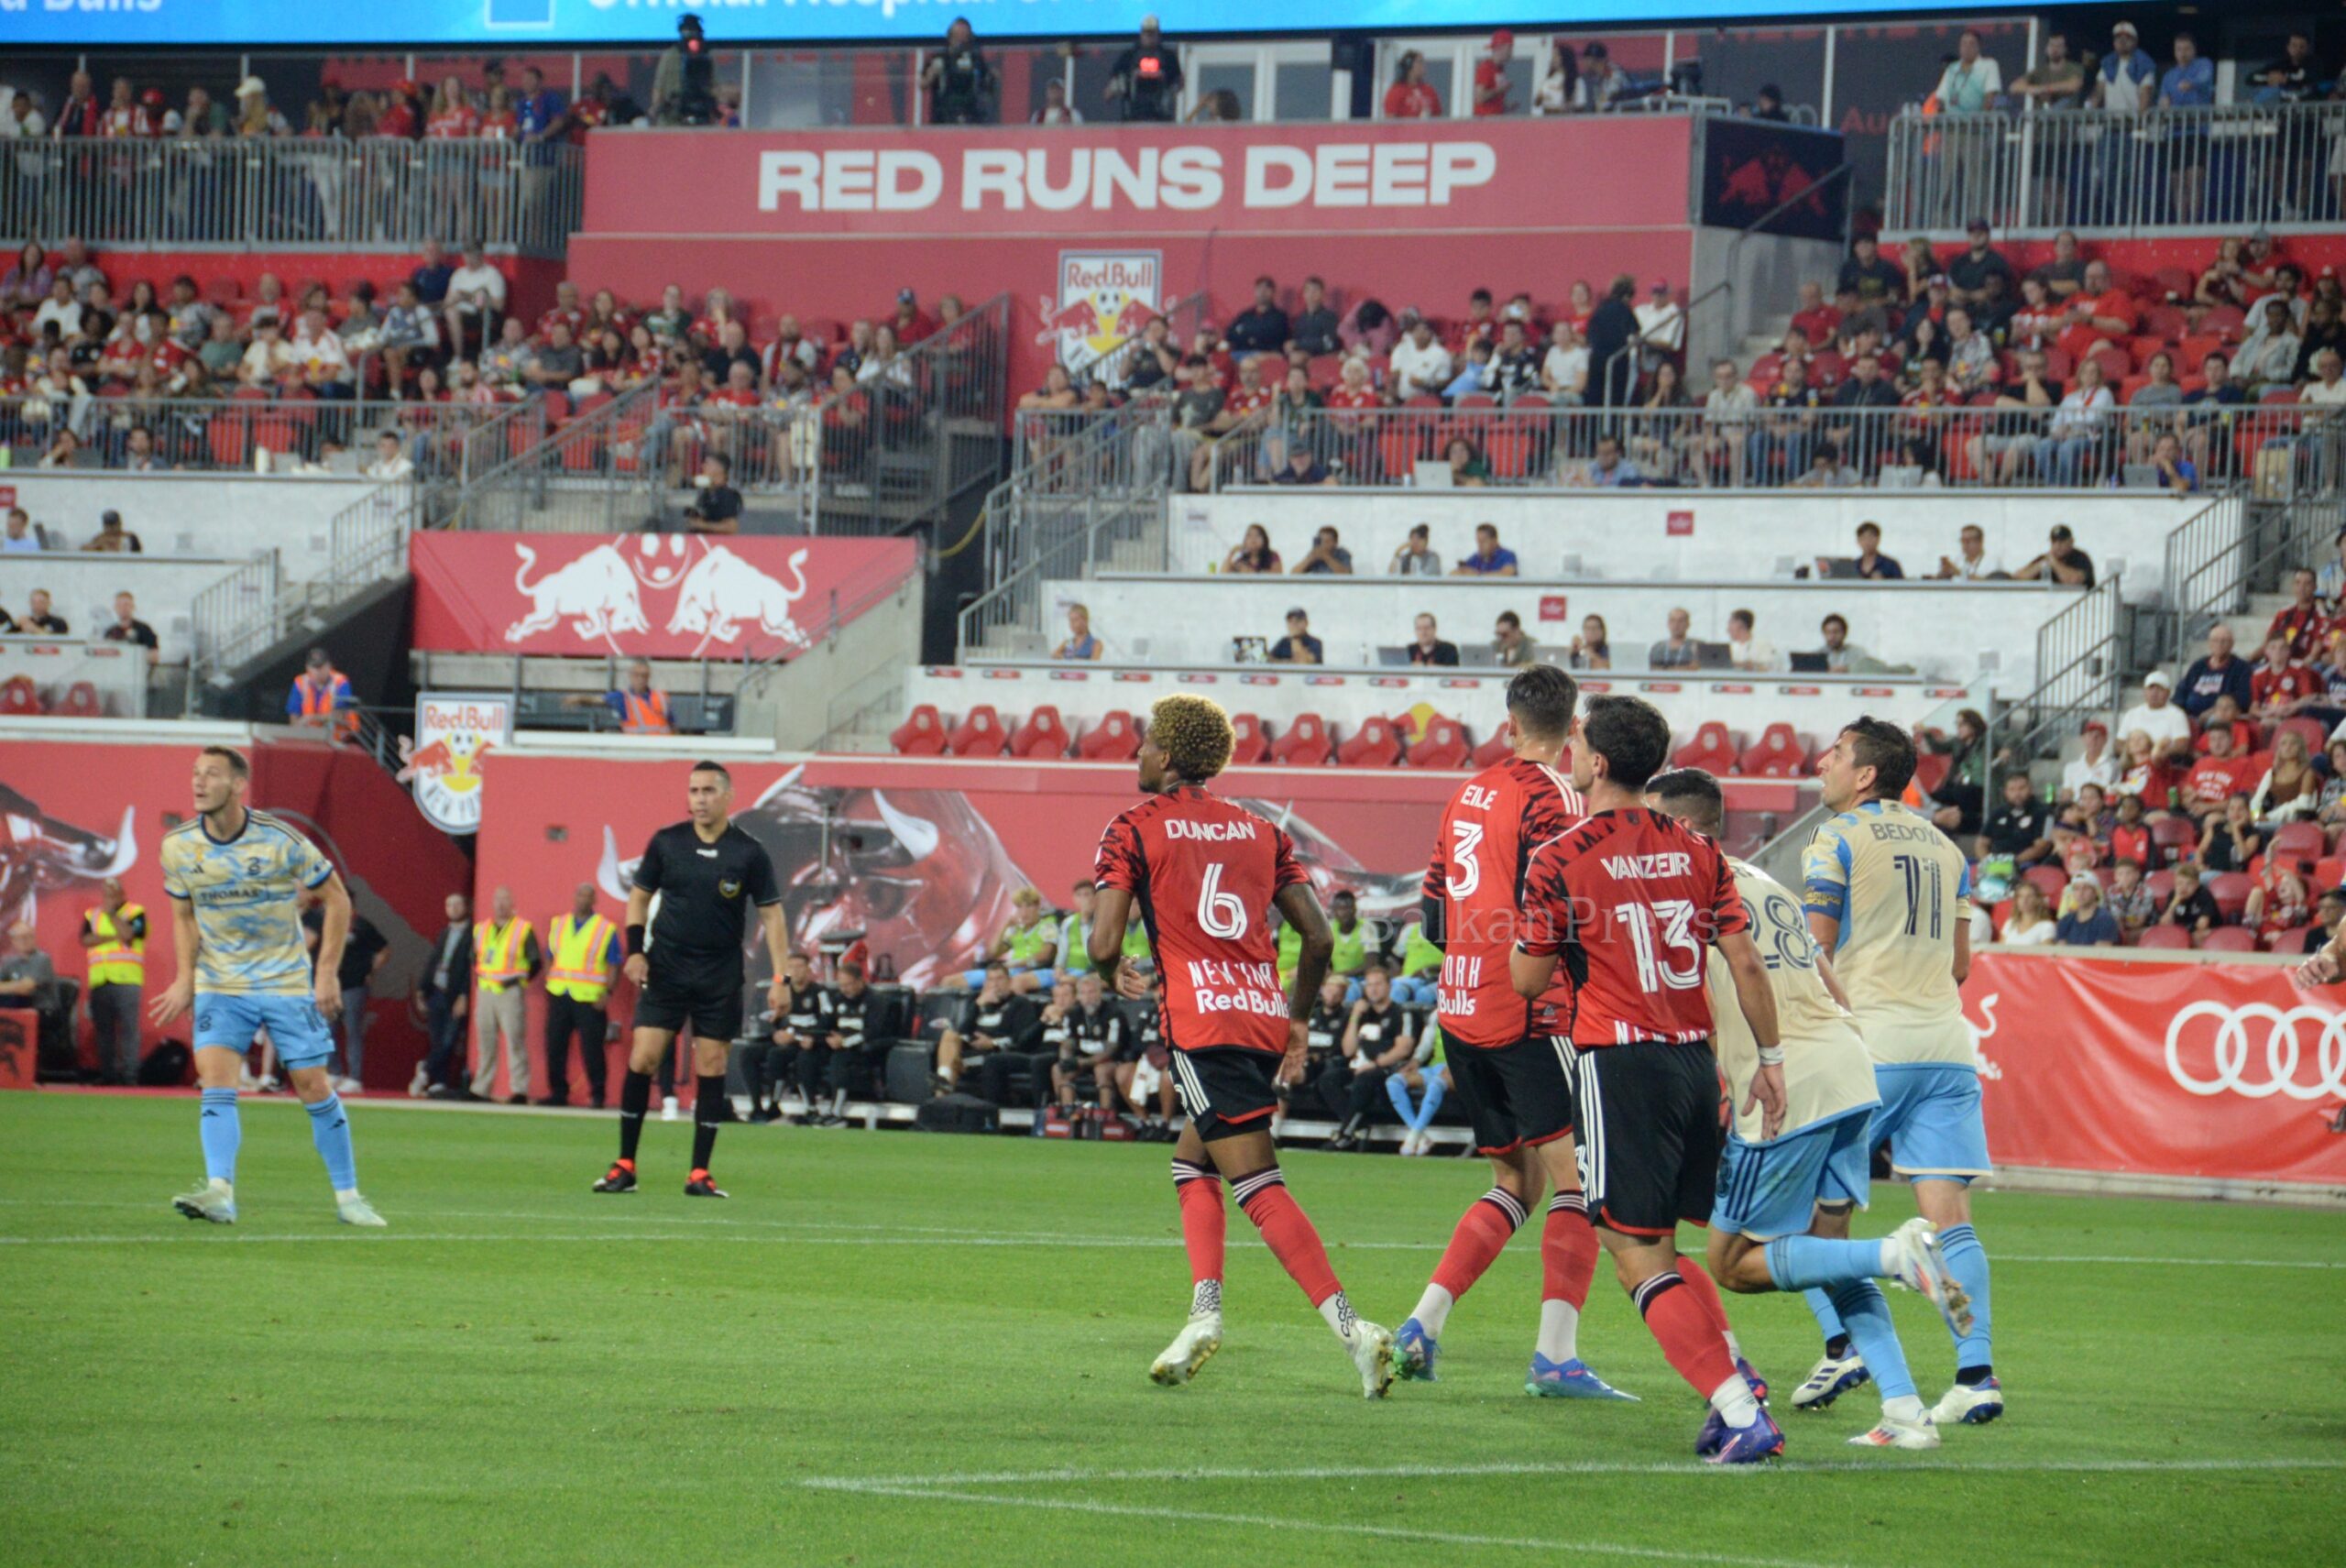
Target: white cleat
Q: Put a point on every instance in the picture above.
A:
(1922, 1269)
(356, 1211)
(1372, 1348)
(1974, 1404)
(1190, 1349)
(217, 1204)
(418, 1084)
(1891, 1433)
(349, 1086)
(668, 1108)
(1834, 1377)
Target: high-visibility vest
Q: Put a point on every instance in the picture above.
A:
(501, 957)
(325, 697)
(582, 970)
(1032, 946)
(119, 959)
(1351, 955)
(646, 714)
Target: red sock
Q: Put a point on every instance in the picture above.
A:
(1689, 1339)
(1568, 1250)
(1204, 1222)
(1287, 1232)
(1707, 1291)
(1482, 1235)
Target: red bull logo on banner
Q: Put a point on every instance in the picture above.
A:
(454, 735)
(1104, 299)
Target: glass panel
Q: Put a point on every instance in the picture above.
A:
(1738, 62)
(293, 81)
(1302, 89)
(1091, 72)
(1878, 70)
(1209, 80)
(801, 88)
(1022, 74)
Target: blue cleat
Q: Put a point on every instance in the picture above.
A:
(1414, 1354)
(1569, 1380)
(1754, 1444)
(1759, 1384)
(1972, 1404)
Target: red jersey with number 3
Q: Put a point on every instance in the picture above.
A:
(1630, 900)
(1203, 874)
(1488, 834)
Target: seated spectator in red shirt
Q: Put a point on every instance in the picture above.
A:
(2224, 714)
(2282, 682)
(912, 323)
(2130, 834)
(1480, 326)
(1490, 75)
(1220, 364)
(566, 309)
(1351, 390)
(1411, 97)
(2217, 776)
(1817, 320)
(2278, 904)
(2099, 312)
(2303, 621)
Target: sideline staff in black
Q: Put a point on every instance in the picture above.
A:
(708, 874)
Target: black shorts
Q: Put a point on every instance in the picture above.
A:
(703, 992)
(1226, 1090)
(1648, 1120)
(1517, 1096)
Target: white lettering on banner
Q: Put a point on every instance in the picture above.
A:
(930, 176)
(1210, 832)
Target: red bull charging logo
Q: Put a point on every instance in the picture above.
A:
(1104, 299)
(454, 735)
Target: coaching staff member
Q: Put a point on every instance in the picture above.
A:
(708, 873)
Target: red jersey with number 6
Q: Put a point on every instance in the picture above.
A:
(1630, 900)
(1203, 874)
(1488, 834)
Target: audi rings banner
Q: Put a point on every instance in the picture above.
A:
(2145, 1067)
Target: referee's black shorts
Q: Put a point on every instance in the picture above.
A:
(702, 990)
(1649, 1142)
(1517, 1096)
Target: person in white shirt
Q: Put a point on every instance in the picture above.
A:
(1563, 373)
(1971, 562)
(2269, 354)
(476, 298)
(1056, 109)
(61, 307)
(1662, 324)
(2096, 764)
(1728, 411)
(1747, 651)
(1419, 364)
(1972, 80)
(391, 461)
(268, 358)
(317, 347)
(2328, 390)
(2156, 714)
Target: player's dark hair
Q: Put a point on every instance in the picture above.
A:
(993, 964)
(1631, 734)
(1889, 751)
(237, 766)
(1540, 699)
(1194, 733)
(1691, 796)
(706, 766)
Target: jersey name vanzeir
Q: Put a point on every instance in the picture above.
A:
(1203, 874)
(1630, 900)
(1901, 890)
(1828, 1074)
(1488, 834)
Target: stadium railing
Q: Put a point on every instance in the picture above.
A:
(76, 679)
(2230, 166)
(445, 440)
(597, 472)
(295, 193)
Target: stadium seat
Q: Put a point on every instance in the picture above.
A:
(2315, 733)
(1043, 738)
(1498, 748)
(2228, 939)
(980, 734)
(2050, 881)
(1376, 744)
(1305, 744)
(1115, 739)
(2288, 940)
(2298, 841)
(922, 734)
(1443, 746)
(2161, 885)
(1931, 769)
(2164, 936)
(1250, 747)
(1712, 748)
(2230, 889)
(1778, 754)
(19, 697)
(81, 702)
(2173, 838)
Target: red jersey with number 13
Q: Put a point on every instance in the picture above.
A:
(1486, 837)
(1630, 900)
(1203, 874)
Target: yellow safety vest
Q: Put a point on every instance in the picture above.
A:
(118, 960)
(581, 968)
(500, 959)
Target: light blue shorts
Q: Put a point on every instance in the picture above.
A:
(1768, 1190)
(230, 1020)
(1930, 1117)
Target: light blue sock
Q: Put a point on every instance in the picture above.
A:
(1866, 1315)
(222, 1130)
(1397, 1092)
(1968, 1261)
(1795, 1263)
(1827, 1319)
(1435, 1091)
(330, 1129)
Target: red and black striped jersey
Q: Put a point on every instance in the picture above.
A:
(1203, 874)
(1487, 836)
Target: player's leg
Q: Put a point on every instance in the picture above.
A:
(1197, 1187)
(645, 1052)
(1490, 1222)
(711, 1107)
(1568, 1254)
(1941, 1146)
(305, 1045)
(948, 1059)
(1841, 1368)
(1977, 1397)
(218, 1126)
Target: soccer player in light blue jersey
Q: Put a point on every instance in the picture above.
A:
(1889, 901)
(236, 877)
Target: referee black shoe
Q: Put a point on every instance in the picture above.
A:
(620, 1177)
(700, 1186)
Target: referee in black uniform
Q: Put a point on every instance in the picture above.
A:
(708, 874)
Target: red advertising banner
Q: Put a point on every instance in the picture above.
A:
(2159, 1068)
(666, 595)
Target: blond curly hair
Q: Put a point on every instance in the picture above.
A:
(1194, 733)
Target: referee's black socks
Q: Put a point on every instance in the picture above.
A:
(708, 1115)
(635, 1099)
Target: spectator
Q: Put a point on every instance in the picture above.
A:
(718, 507)
(1605, 82)
(39, 618)
(1871, 562)
(1592, 650)
(1971, 366)
(1971, 562)
(2031, 923)
(1420, 366)
(1146, 79)
(1559, 92)
(1478, 374)
(2094, 764)
(474, 300)
(1676, 651)
(1416, 558)
(1608, 470)
(321, 698)
(1303, 467)
(1298, 646)
(2157, 717)
(1314, 328)
(1744, 650)
(2056, 79)
(2225, 715)
(2088, 924)
(1968, 274)
(1784, 431)
(2324, 334)
(1491, 84)
(2190, 83)
(1469, 469)
(2099, 312)
(2191, 905)
(2291, 787)
(1328, 558)
(2218, 775)
(1080, 644)
(1841, 656)
(111, 538)
(1611, 330)
(2228, 840)
(2327, 391)
(2176, 474)
(957, 79)
(2302, 621)
(2020, 829)
(1253, 555)
(1056, 109)
(29, 980)
(2282, 682)
(1971, 81)
(391, 461)
(1508, 643)
(1489, 559)
(2217, 673)
(1429, 647)
(1662, 324)
(1563, 369)
(128, 628)
(19, 537)
(1873, 278)
(2268, 356)
(2078, 430)
(2128, 82)
(1412, 97)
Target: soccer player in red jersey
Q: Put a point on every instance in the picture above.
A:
(1629, 899)
(1512, 1080)
(1204, 875)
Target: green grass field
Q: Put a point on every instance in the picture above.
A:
(899, 1349)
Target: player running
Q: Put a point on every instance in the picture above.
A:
(1889, 901)
(1204, 875)
(1771, 1192)
(1629, 900)
(236, 877)
(1514, 1084)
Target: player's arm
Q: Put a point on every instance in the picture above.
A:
(179, 995)
(1401, 1050)
(1349, 1046)
(334, 900)
(1757, 999)
(1299, 906)
(1532, 963)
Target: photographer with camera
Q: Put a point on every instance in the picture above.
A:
(958, 81)
(1146, 79)
(684, 85)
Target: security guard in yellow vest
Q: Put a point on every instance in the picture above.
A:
(585, 958)
(113, 939)
(505, 961)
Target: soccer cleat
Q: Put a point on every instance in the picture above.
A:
(1974, 1404)
(668, 1108)
(1759, 1384)
(620, 1177)
(418, 1084)
(1922, 1269)
(700, 1186)
(207, 1202)
(1754, 1444)
(1569, 1380)
(1890, 1433)
(349, 1086)
(1372, 1351)
(1190, 1349)
(356, 1211)
(1834, 1377)
(1415, 1352)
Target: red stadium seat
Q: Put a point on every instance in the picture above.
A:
(2228, 939)
(1931, 769)
(2172, 838)
(1443, 746)
(2226, 321)
(19, 697)
(1250, 747)
(2311, 729)
(980, 734)
(2164, 936)
(1498, 748)
(1376, 744)
(1713, 749)
(1780, 753)
(2288, 940)
(223, 292)
(1043, 738)
(2298, 841)
(2161, 885)
(2230, 889)
(228, 434)
(2328, 872)
(81, 702)
(920, 735)
(1305, 744)
(2050, 881)
(1115, 739)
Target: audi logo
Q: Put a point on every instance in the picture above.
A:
(2232, 1048)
